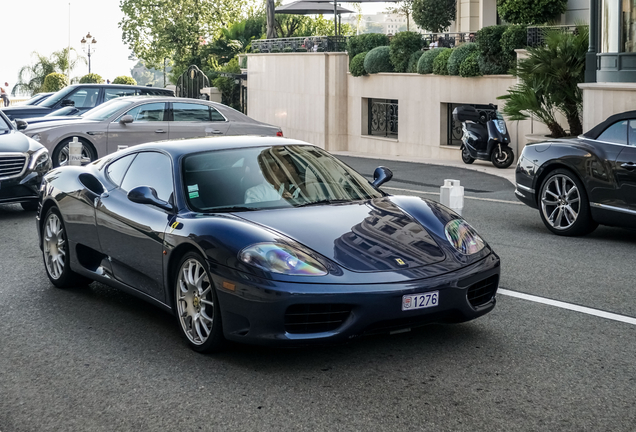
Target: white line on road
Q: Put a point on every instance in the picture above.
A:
(467, 197)
(568, 306)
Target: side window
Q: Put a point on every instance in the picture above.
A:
(216, 116)
(117, 169)
(148, 112)
(84, 97)
(631, 133)
(150, 169)
(191, 112)
(114, 92)
(616, 133)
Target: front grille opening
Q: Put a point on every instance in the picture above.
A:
(11, 166)
(483, 291)
(315, 318)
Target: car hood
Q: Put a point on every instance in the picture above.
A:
(368, 236)
(39, 126)
(14, 142)
(48, 119)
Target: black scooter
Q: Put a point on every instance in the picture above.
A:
(484, 137)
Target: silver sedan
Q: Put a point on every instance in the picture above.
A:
(129, 121)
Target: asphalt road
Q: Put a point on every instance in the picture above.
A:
(95, 359)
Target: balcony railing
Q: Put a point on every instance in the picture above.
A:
(536, 35)
(301, 44)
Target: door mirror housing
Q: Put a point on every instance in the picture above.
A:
(21, 124)
(148, 195)
(68, 102)
(381, 175)
(126, 119)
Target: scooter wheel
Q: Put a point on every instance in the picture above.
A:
(503, 158)
(466, 156)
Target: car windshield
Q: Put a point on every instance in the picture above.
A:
(35, 100)
(56, 97)
(62, 112)
(106, 110)
(270, 177)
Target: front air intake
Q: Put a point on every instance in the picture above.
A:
(315, 318)
(483, 291)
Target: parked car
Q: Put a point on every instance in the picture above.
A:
(262, 240)
(81, 96)
(135, 120)
(66, 113)
(38, 98)
(23, 163)
(577, 184)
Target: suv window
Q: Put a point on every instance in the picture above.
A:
(148, 112)
(616, 133)
(84, 97)
(150, 169)
(115, 92)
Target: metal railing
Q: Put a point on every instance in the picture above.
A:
(383, 118)
(301, 44)
(448, 40)
(536, 35)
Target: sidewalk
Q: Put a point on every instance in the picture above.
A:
(481, 166)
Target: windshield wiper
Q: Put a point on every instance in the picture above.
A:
(325, 201)
(230, 209)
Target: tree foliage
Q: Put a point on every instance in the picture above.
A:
(123, 79)
(31, 77)
(402, 46)
(54, 82)
(434, 15)
(91, 78)
(530, 11)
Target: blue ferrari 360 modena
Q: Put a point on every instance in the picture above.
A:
(262, 240)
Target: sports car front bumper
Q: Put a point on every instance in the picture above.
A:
(268, 312)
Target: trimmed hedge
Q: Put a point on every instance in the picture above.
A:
(440, 64)
(356, 66)
(378, 60)
(54, 82)
(415, 58)
(91, 78)
(458, 56)
(402, 46)
(123, 79)
(492, 60)
(470, 66)
(365, 42)
(425, 64)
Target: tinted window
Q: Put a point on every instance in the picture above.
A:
(115, 92)
(150, 169)
(117, 169)
(216, 116)
(616, 133)
(85, 97)
(56, 97)
(191, 112)
(631, 132)
(148, 112)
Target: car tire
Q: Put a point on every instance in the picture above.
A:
(60, 154)
(504, 158)
(564, 206)
(55, 252)
(29, 205)
(197, 306)
(466, 158)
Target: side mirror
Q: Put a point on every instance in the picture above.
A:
(126, 119)
(148, 195)
(68, 102)
(21, 124)
(381, 175)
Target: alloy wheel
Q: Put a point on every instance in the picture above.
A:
(560, 202)
(54, 246)
(195, 301)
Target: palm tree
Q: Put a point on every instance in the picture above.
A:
(31, 77)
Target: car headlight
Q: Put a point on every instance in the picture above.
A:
(36, 137)
(463, 237)
(281, 258)
(39, 158)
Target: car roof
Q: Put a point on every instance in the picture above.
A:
(600, 128)
(120, 86)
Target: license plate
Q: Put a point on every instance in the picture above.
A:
(420, 301)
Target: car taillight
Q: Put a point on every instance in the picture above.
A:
(279, 133)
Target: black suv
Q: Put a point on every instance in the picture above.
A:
(83, 97)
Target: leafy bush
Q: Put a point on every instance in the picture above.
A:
(125, 80)
(288, 49)
(365, 42)
(54, 82)
(425, 64)
(514, 37)
(402, 46)
(275, 50)
(415, 58)
(492, 60)
(356, 67)
(91, 78)
(230, 91)
(458, 56)
(440, 64)
(378, 60)
(470, 66)
(530, 11)
(434, 15)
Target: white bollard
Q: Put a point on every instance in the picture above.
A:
(452, 195)
(75, 152)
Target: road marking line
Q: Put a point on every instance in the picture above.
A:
(568, 306)
(467, 197)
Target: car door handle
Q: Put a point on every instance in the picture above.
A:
(216, 132)
(629, 165)
(160, 131)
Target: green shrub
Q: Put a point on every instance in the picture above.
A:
(440, 64)
(365, 42)
(275, 50)
(91, 78)
(125, 80)
(492, 60)
(256, 51)
(530, 11)
(54, 82)
(402, 46)
(415, 58)
(230, 91)
(425, 64)
(458, 56)
(288, 49)
(490, 67)
(470, 66)
(356, 67)
(378, 60)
